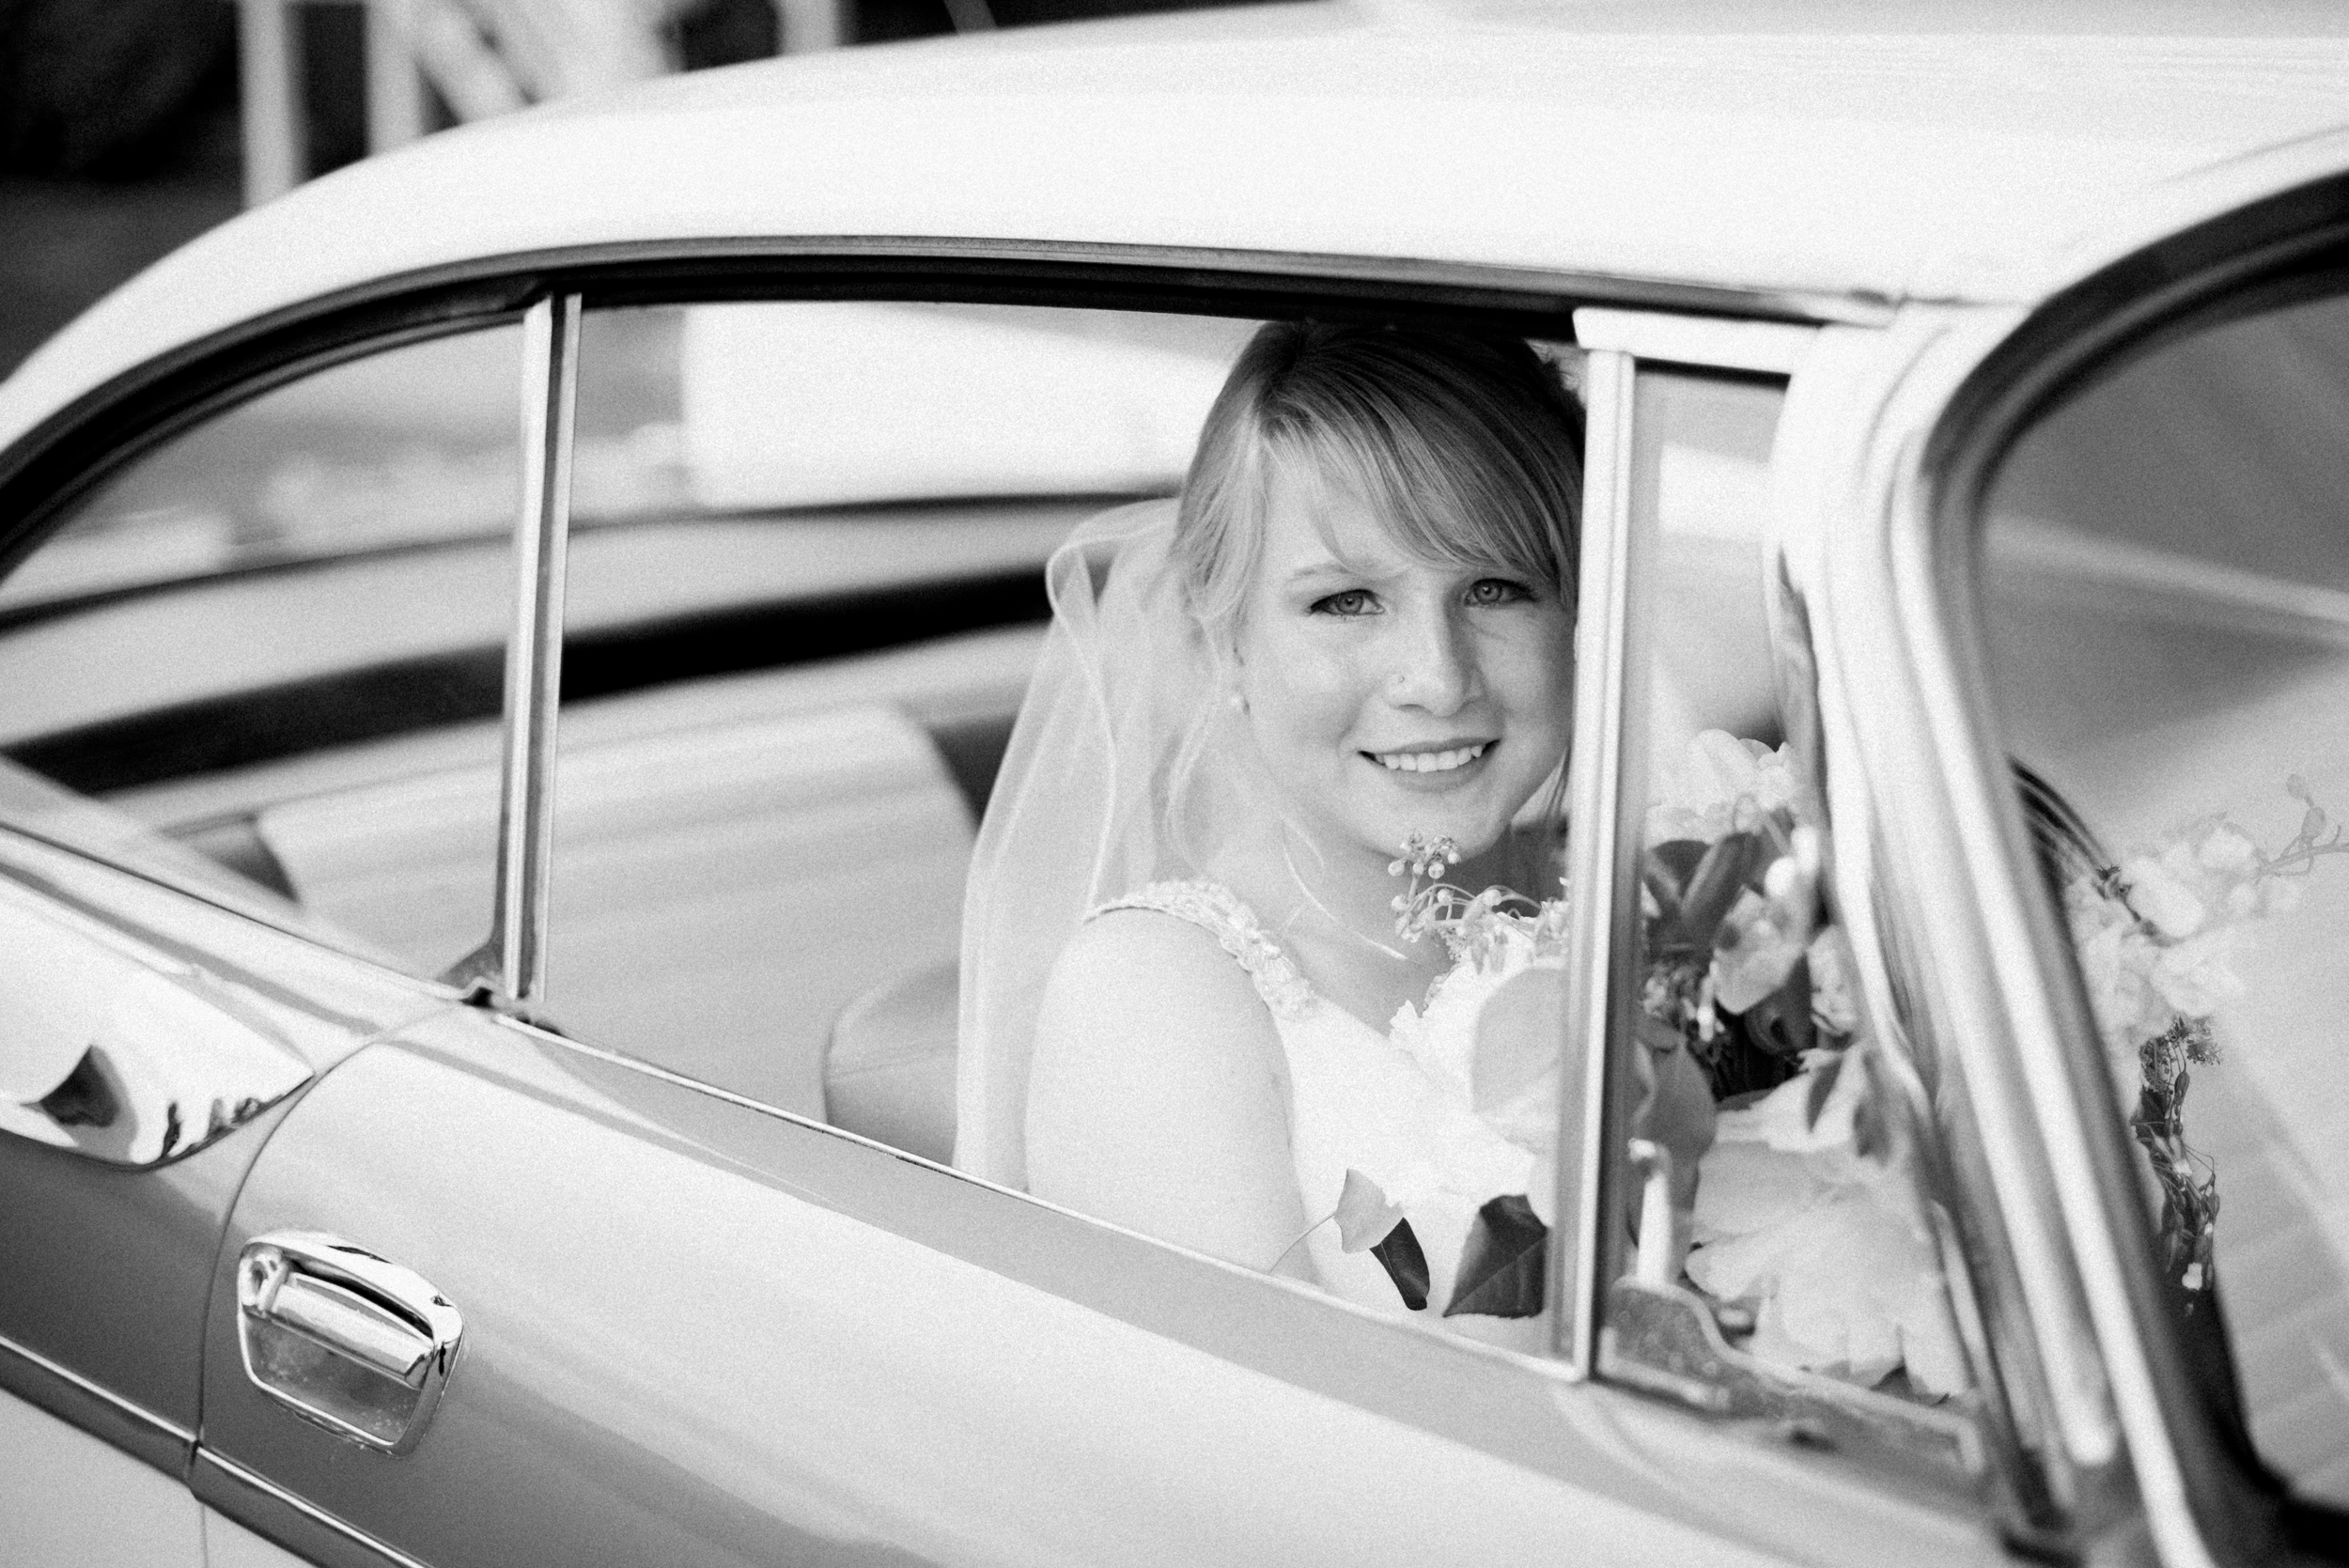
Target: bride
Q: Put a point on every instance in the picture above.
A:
(1281, 821)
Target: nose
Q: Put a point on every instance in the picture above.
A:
(1435, 663)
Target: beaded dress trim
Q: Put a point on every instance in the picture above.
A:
(1217, 910)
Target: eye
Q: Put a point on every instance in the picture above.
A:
(1354, 601)
(1489, 591)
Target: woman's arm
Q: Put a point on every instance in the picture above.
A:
(1159, 1094)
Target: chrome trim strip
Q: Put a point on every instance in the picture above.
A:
(1773, 348)
(534, 667)
(513, 961)
(1604, 699)
(138, 1413)
(212, 1459)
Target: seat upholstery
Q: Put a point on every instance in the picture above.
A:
(720, 892)
(889, 1072)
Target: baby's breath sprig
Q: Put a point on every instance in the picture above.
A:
(1463, 920)
(1426, 855)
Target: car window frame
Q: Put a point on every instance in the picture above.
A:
(1611, 711)
(2205, 1499)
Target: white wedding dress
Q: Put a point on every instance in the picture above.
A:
(1399, 1107)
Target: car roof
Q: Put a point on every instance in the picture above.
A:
(1832, 150)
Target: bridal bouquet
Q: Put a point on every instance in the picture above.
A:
(1739, 964)
(1801, 1215)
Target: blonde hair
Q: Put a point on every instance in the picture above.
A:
(1466, 448)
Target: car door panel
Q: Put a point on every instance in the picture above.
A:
(701, 1332)
(105, 1288)
(108, 1265)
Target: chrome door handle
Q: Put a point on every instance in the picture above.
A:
(343, 1338)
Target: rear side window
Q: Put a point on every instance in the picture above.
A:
(307, 589)
(2167, 585)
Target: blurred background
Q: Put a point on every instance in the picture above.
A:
(127, 127)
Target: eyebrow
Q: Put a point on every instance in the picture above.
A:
(1320, 579)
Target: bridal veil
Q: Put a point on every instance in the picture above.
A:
(1120, 772)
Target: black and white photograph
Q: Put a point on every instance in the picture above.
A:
(1099, 784)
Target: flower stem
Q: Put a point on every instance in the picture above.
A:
(1275, 1267)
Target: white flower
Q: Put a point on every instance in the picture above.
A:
(1790, 1213)
(2117, 957)
(2195, 977)
(2162, 897)
(1700, 794)
(1767, 940)
(2211, 870)
(2228, 851)
(1768, 934)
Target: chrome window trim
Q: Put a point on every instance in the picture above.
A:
(1706, 342)
(1608, 707)
(512, 963)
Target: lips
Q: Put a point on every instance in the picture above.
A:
(1448, 759)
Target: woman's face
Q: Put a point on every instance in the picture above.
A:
(1390, 696)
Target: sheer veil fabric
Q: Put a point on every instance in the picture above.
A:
(1125, 764)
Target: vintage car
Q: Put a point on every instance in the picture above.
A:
(503, 652)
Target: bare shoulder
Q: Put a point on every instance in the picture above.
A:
(1135, 966)
(1158, 1096)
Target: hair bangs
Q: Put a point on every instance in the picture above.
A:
(1439, 501)
(1467, 451)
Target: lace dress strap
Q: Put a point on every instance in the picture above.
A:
(1217, 910)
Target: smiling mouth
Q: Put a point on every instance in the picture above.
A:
(1430, 762)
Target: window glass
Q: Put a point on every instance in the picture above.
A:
(2167, 585)
(1766, 1156)
(806, 592)
(806, 598)
(271, 639)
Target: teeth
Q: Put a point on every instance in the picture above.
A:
(1432, 762)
